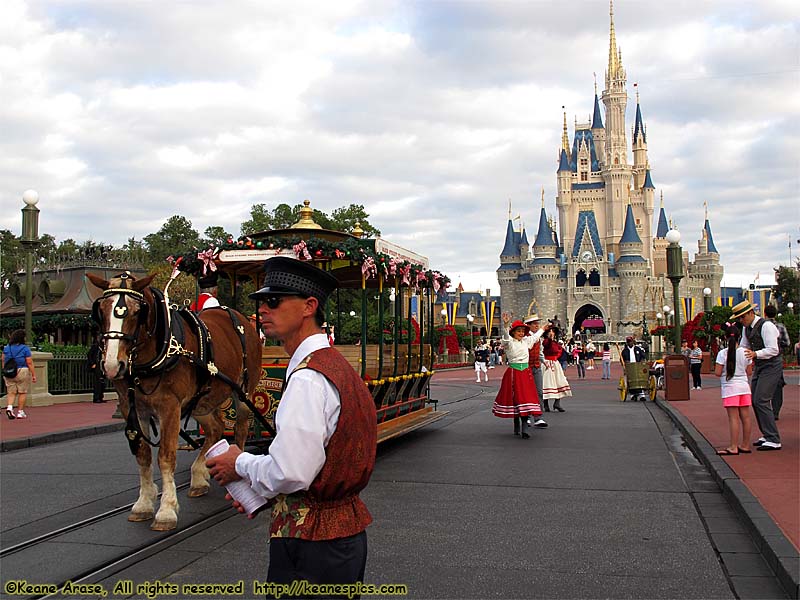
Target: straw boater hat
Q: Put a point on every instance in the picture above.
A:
(532, 318)
(741, 309)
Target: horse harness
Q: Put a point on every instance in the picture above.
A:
(170, 334)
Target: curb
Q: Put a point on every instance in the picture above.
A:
(782, 557)
(59, 436)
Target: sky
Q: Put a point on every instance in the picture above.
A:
(431, 114)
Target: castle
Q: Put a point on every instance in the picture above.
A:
(603, 269)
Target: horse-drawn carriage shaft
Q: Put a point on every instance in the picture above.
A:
(166, 364)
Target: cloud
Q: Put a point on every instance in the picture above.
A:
(431, 115)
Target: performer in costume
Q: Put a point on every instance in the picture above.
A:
(554, 384)
(535, 362)
(208, 292)
(324, 450)
(517, 397)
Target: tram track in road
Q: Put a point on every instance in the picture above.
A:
(99, 546)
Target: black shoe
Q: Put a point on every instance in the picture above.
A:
(99, 401)
(559, 409)
(525, 436)
(546, 409)
(516, 433)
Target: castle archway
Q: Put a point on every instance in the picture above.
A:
(589, 320)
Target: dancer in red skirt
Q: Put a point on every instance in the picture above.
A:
(518, 397)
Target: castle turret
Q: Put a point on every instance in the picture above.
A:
(640, 163)
(598, 131)
(660, 242)
(631, 268)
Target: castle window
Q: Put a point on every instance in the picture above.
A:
(584, 162)
(584, 176)
(580, 278)
(594, 278)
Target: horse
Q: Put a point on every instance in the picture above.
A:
(166, 364)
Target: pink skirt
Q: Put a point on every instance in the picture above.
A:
(517, 396)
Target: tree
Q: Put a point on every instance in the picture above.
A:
(214, 237)
(787, 287)
(175, 237)
(260, 220)
(13, 259)
(345, 219)
(284, 216)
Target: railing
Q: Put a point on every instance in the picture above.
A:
(70, 375)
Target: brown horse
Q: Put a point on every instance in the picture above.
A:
(134, 325)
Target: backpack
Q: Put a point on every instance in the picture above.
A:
(10, 368)
(784, 342)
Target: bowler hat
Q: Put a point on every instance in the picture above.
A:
(284, 276)
(208, 280)
(532, 318)
(741, 309)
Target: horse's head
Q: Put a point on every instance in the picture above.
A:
(121, 313)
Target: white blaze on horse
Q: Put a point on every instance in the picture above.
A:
(161, 367)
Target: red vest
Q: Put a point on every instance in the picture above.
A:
(534, 359)
(552, 349)
(201, 300)
(331, 507)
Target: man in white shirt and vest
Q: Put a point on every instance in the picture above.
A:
(324, 450)
(760, 343)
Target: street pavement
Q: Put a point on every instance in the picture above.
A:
(607, 502)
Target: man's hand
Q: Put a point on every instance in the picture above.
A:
(749, 354)
(223, 467)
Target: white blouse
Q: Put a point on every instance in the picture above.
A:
(517, 350)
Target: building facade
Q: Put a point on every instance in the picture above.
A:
(602, 263)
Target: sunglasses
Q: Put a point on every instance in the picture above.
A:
(274, 302)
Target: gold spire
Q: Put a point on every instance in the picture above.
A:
(613, 56)
(595, 83)
(509, 209)
(306, 218)
(705, 206)
(542, 196)
(565, 135)
(662, 198)
(357, 231)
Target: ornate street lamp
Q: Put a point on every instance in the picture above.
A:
(470, 320)
(707, 300)
(790, 306)
(29, 239)
(444, 317)
(675, 274)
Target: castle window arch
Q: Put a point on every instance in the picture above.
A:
(594, 278)
(580, 278)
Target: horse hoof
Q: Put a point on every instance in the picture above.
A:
(138, 517)
(163, 525)
(196, 492)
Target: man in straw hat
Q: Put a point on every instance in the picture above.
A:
(535, 362)
(324, 450)
(760, 343)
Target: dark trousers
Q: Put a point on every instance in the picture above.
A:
(767, 377)
(520, 425)
(342, 560)
(777, 398)
(98, 389)
(695, 367)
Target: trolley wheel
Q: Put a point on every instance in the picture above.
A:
(623, 389)
(652, 387)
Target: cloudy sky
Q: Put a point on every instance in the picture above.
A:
(431, 114)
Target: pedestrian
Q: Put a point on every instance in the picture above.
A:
(685, 350)
(554, 384)
(606, 361)
(735, 390)
(695, 363)
(208, 292)
(94, 361)
(17, 386)
(784, 343)
(493, 355)
(797, 352)
(590, 350)
(324, 450)
(481, 358)
(760, 343)
(517, 397)
(580, 360)
(535, 362)
(633, 353)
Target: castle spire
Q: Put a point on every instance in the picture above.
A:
(543, 197)
(509, 209)
(565, 135)
(613, 55)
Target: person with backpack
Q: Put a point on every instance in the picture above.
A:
(17, 354)
(784, 343)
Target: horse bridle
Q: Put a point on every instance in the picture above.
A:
(120, 311)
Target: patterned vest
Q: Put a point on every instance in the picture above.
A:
(756, 341)
(331, 507)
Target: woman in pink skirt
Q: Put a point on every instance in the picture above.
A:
(735, 390)
(518, 398)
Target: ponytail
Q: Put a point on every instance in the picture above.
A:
(732, 336)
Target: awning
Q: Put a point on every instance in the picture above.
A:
(594, 323)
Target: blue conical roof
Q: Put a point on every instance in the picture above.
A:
(597, 119)
(524, 239)
(563, 164)
(663, 227)
(648, 182)
(544, 237)
(711, 246)
(510, 248)
(638, 127)
(629, 234)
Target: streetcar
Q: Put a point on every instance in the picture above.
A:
(388, 290)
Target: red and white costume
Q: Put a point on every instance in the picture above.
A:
(554, 383)
(204, 300)
(518, 396)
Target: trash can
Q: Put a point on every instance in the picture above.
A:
(676, 375)
(707, 366)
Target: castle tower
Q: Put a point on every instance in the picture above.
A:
(660, 242)
(598, 131)
(706, 271)
(546, 267)
(510, 265)
(631, 269)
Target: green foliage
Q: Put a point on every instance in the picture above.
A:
(284, 216)
(176, 236)
(214, 237)
(60, 350)
(792, 323)
(787, 288)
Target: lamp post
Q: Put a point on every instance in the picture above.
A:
(707, 300)
(29, 239)
(470, 320)
(675, 274)
(790, 306)
(444, 317)
(659, 316)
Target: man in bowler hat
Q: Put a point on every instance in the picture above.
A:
(324, 450)
(208, 292)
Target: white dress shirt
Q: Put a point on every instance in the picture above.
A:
(307, 416)
(517, 350)
(769, 333)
